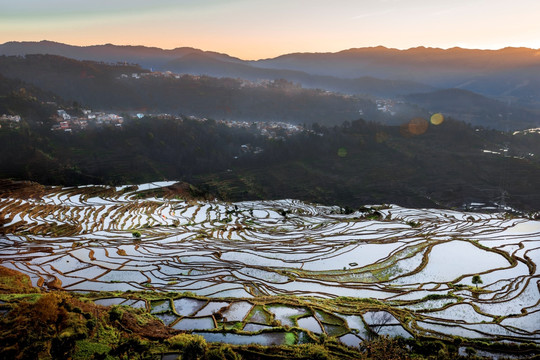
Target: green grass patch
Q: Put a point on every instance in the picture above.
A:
(85, 349)
(290, 338)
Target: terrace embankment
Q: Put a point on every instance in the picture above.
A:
(279, 272)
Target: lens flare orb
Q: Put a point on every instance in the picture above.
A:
(437, 119)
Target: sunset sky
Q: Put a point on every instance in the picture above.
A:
(254, 29)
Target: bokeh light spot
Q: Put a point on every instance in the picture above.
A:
(342, 152)
(417, 126)
(437, 119)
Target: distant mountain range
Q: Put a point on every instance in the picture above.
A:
(111, 87)
(511, 73)
(496, 84)
(197, 62)
(142, 55)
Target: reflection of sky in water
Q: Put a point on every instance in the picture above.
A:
(309, 252)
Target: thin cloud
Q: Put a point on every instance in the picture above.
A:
(374, 14)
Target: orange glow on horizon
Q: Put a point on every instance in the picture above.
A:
(254, 30)
(244, 52)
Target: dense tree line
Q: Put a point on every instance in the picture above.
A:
(351, 164)
(140, 151)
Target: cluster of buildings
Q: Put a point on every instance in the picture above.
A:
(172, 75)
(386, 106)
(250, 149)
(154, 74)
(281, 83)
(527, 131)
(161, 116)
(68, 123)
(10, 121)
(273, 129)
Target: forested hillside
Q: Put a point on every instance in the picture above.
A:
(114, 87)
(353, 164)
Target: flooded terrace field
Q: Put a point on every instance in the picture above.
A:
(407, 272)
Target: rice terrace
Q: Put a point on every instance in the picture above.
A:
(280, 273)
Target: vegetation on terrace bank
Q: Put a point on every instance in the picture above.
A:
(60, 325)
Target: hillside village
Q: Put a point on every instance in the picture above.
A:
(10, 121)
(67, 122)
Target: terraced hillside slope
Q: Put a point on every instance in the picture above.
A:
(226, 270)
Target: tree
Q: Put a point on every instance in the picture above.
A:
(379, 320)
(476, 279)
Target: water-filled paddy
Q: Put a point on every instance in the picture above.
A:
(93, 239)
(266, 339)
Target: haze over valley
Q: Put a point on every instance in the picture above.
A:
(447, 138)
